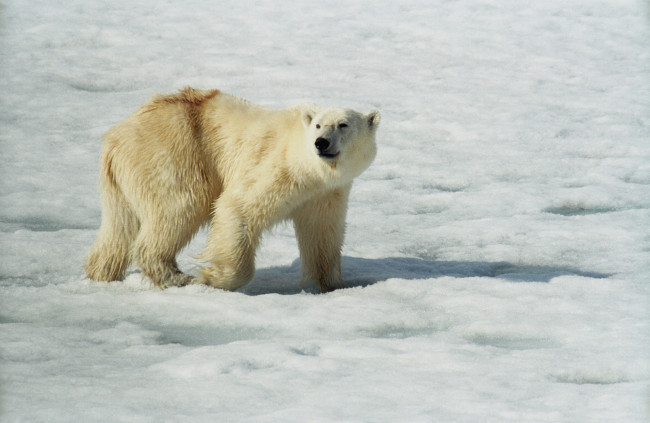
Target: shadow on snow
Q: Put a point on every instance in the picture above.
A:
(363, 272)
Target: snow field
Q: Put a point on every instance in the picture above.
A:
(497, 250)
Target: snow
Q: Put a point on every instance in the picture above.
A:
(497, 250)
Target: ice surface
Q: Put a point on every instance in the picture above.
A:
(497, 251)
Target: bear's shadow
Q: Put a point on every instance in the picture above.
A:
(361, 272)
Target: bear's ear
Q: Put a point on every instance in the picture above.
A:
(308, 114)
(373, 118)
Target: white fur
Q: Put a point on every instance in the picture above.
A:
(203, 156)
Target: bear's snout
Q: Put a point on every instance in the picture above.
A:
(322, 144)
(326, 148)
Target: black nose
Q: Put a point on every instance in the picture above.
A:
(322, 144)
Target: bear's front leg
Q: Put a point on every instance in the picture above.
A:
(320, 229)
(230, 248)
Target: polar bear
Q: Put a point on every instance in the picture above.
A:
(197, 157)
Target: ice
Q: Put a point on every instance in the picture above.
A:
(497, 251)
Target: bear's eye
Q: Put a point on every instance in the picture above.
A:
(343, 125)
(318, 126)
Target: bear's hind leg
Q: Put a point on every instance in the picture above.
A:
(156, 246)
(109, 255)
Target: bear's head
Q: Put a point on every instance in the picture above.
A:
(341, 139)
